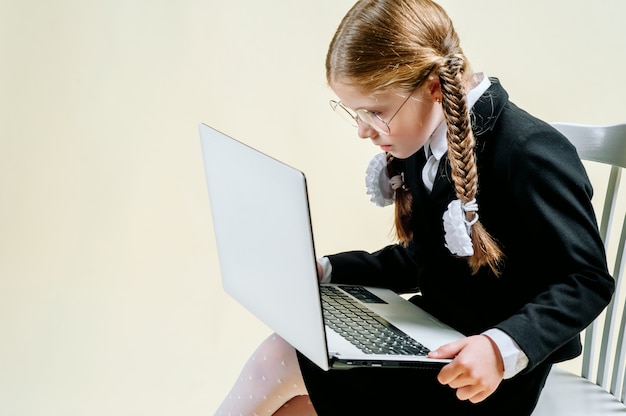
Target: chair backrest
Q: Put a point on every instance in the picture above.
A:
(604, 351)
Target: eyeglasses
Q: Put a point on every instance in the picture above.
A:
(354, 116)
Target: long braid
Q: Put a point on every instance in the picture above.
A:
(461, 155)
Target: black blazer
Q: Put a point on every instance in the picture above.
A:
(534, 199)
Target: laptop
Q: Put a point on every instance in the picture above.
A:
(267, 260)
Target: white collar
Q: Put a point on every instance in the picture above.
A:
(437, 143)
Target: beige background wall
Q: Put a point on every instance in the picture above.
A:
(110, 302)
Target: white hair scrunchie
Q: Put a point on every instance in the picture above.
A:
(378, 184)
(458, 230)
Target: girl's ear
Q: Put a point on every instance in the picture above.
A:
(433, 88)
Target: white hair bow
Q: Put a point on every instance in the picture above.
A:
(458, 230)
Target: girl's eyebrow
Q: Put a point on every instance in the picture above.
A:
(368, 106)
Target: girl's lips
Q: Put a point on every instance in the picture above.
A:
(385, 147)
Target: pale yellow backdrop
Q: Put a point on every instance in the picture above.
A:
(110, 301)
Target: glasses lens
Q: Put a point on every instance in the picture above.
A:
(344, 113)
(373, 120)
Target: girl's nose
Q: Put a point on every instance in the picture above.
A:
(366, 131)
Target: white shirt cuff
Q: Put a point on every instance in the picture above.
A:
(515, 360)
(327, 269)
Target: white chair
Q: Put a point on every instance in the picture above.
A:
(599, 387)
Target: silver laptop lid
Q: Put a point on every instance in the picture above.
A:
(262, 227)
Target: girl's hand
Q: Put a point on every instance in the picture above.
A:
(476, 369)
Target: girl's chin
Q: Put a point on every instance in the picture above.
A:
(400, 155)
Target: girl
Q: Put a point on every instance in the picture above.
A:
(494, 223)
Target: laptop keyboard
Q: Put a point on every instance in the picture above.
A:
(365, 329)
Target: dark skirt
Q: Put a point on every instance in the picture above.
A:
(387, 391)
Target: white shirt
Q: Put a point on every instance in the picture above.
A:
(515, 360)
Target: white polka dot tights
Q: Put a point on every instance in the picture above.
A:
(270, 383)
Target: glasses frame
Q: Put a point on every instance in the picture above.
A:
(352, 116)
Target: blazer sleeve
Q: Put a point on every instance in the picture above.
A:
(393, 267)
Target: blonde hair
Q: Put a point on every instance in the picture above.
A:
(396, 44)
